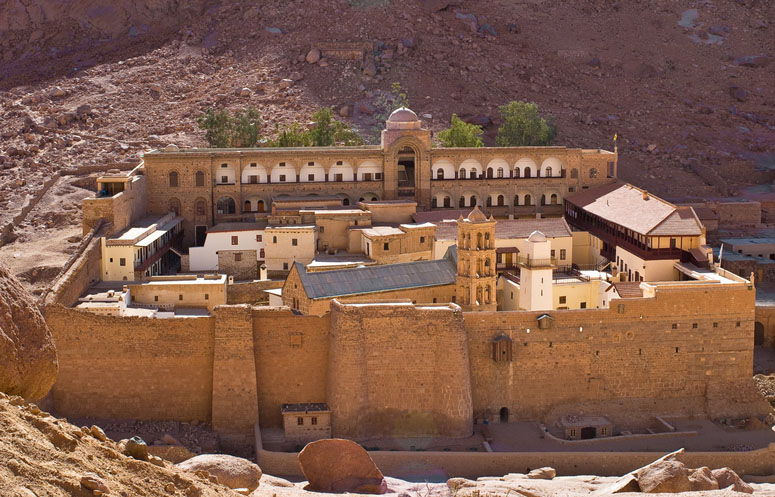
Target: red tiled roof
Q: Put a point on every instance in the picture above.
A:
(629, 289)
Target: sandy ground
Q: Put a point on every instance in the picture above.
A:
(48, 236)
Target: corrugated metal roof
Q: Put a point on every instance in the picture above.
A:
(371, 279)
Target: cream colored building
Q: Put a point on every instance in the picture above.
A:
(141, 251)
(288, 244)
(182, 291)
(643, 235)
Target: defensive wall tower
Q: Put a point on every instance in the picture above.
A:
(398, 370)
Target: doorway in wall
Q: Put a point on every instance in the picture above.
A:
(758, 334)
(201, 234)
(504, 414)
(588, 433)
(406, 172)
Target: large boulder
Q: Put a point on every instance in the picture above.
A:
(664, 476)
(338, 465)
(727, 478)
(29, 360)
(234, 472)
(702, 479)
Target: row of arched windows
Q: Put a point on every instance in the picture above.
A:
(501, 173)
(199, 176)
(445, 201)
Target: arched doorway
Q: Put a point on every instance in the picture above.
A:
(758, 334)
(588, 433)
(406, 160)
(504, 414)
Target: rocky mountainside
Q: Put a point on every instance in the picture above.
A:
(686, 84)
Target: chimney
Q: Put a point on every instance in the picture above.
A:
(645, 195)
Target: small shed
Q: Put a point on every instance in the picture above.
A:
(306, 422)
(586, 427)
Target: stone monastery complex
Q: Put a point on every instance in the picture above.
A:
(398, 290)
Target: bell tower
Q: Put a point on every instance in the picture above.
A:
(476, 275)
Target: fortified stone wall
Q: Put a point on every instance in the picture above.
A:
(291, 357)
(736, 214)
(80, 272)
(639, 358)
(396, 370)
(234, 399)
(765, 322)
(132, 367)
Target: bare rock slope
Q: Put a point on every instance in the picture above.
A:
(28, 359)
(42, 455)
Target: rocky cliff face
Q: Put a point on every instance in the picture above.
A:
(28, 359)
(37, 32)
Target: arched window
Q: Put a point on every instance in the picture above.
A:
(199, 178)
(489, 172)
(528, 200)
(274, 239)
(479, 241)
(226, 205)
(553, 199)
(463, 173)
(574, 173)
(247, 206)
(489, 201)
(516, 172)
(473, 200)
(473, 174)
(345, 201)
(593, 173)
(500, 172)
(516, 199)
(527, 172)
(501, 200)
(462, 202)
(543, 199)
(174, 205)
(447, 202)
(201, 207)
(434, 202)
(440, 174)
(173, 179)
(548, 172)
(260, 206)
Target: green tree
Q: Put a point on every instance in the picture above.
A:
(216, 126)
(225, 130)
(291, 136)
(523, 126)
(246, 126)
(461, 134)
(325, 131)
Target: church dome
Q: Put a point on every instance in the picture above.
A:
(403, 115)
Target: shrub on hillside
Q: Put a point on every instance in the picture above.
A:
(222, 130)
(461, 134)
(523, 126)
